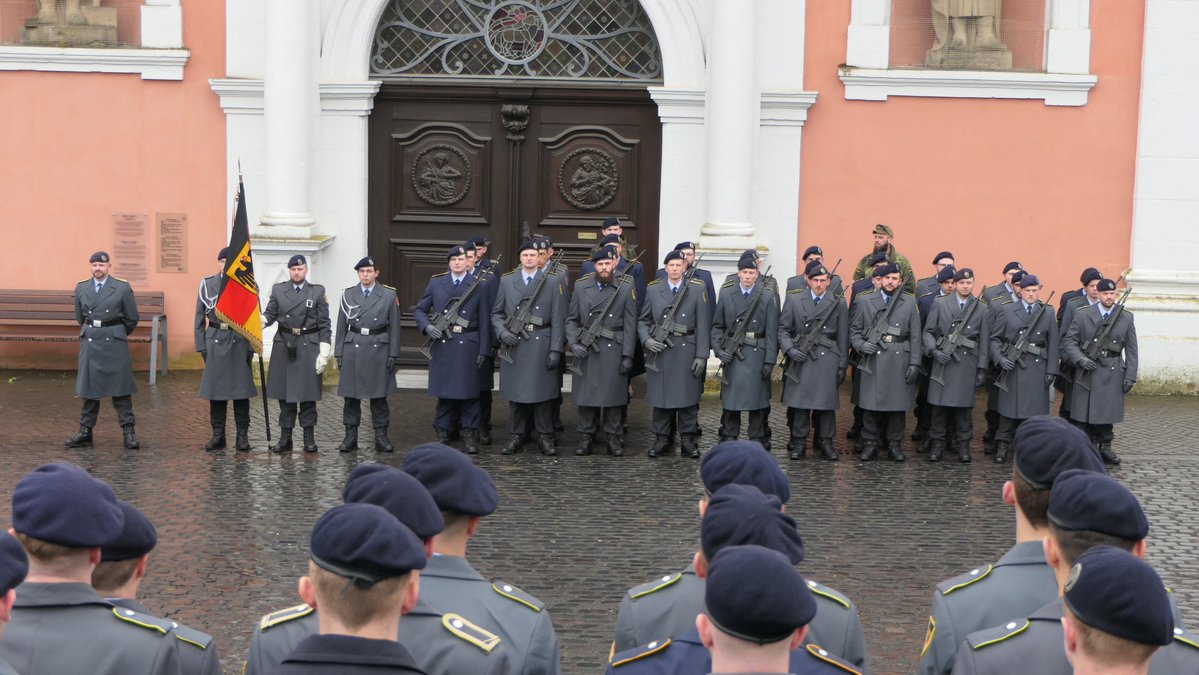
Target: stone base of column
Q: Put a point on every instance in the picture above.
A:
(271, 253)
(1165, 305)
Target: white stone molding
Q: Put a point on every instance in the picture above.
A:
(162, 24)
(679, 106)
(151, 64)
(238, 97)
(356, 99)
(786, 109)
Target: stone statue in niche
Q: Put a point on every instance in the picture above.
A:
(71, 23)
(967, 36)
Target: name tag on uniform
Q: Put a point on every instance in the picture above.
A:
(97, 323)
(308, 303)
(364, 331)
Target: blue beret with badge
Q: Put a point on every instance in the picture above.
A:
(364, 469)
(401, 495)
(610, 240)
(676, 254)
(1090, 274)
(684, 245)
(223, 254)
(297, 260)
(739, 515)
(63, 504)
(946, 274)
(743, 463)
(1028, 280)
(811, 251)
(1013, 265)
(99, 257)
(1017, 276)
(479, 240)
(879, 258)
(755, 594)
(610, 221)
(1114, 591)
(528, 245)
(964, 273)
(943, 254)
(1095, 502)
(454, 482)
(546, 241)
(885, 269)
(1106, 285)
(604, 253)
(1045, 446)
(746, 263)
(138, 537)
(366, 262)
(14, 563)
(455, 251)
(366, 544)
(816, 269)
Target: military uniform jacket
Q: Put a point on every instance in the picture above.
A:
(526, 379)
(197, 651)
(105, 321)
(520, 619)
(305, 311)
(746, 389)
(859, 286)
(368, 333)
(1001, 292)
(1103, 403)
(625, 266)
(986, 596)
(602, 385)
(687, 654)
(943, 318)
(6, 669)
(885, 389)
(1035, 645)
(666, 608)
(491, 287)
(673, 386)
(817, 387)
(453, 372)
(443, 644)
(709, 286)
(1066, 312)
(1027, 394)
(347, 655)
(927, 285)
(227, 375)
(69, 628)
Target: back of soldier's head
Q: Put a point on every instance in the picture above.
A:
(1042, 449)
(1089, 509)
(60, 512)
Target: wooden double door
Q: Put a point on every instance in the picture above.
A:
(449, 162)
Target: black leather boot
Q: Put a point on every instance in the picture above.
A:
(130, 438)
(798, 446)
(382, 442)
(513, 446)
(963, 448)
(443, 435)
(310, 439)
(936, 449)
(284, 444)
(585, 442)
(661, 446)
(82, 439)
(1001, 448)
(690, 448)
(470, 441)
(869, 451)
(217, 442)
(825, 446)
(242, 442)
(350, 442)
(548, 445)
(616, 445)
(485, 435)
(926, 446)
(895, 449)
(1109, 456)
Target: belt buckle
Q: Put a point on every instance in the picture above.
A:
(530, 327)
(224, 326)
(364, 331)
(97, 323)
(296, 331)
(456, 329)
(888, 338)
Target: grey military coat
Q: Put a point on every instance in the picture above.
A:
(943, 319)
(885, 389)
(105, 321)
(1027, 395)
(227, 375)
(812, 385)
(1103, 403)
(307, 311)
(746, 389)
(673, 385)
(602, 385)
(197, 651)
(1067, 309)
(368, 333)
(526, 379)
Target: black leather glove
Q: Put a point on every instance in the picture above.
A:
(655, 346)
(940, 357)
(204, 355)
(338, 359)
(1049, 380)
(553, 360)
(580, 351)
(840, 376)
(1128, 385)
(1087, 364)
(910, 375)
(699, 366)
(869, 348)
(724, 357)
(509, 338)
(433, 332)
(797, 355)
(480, 360)
(980, 378)
(391, 364)
(767, 369)
(1007, 364)
(626, 364)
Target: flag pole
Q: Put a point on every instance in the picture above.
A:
(266, 410)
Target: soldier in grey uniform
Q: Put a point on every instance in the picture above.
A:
(1030, 378)
(546, 254)
(466, 494)
(603, 388)
(530, 379)
(107, 313)
(1003, 291)
(1068, 305)
(889, 391)
(813, 254)
(227, 357)
(747, 306)
(930, 284)
(812, 378)
(962, 368)
(368, 346)
(676, 381)
(301, 350)
(63, 516)
(123, 565)
(1112, 372)
(1020, 581)
(1088, 511)
(14, 565)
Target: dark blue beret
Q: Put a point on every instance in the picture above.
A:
(527, 246)
(738, 515)
(884, 270)
(1017, 276)
(1045, 446)
(1090, 274)
(610, 221)
(1106, 285)
(807, 269)
(746, 263)
(1096, 502)
(743, 463)
(946, 274)
(364, 469)
(610, 239)
(455, 251)
(604, 253)
(401, 495)
(943, 254)
(366, 262)
(755, 594)
(138, 537)
(546, 240)
(224, 254)
(63, 504)
(99, 256)
(1013, 265)
(542, 244)
(296, 260)
(964, 273)
(1114, 591)
(685, 244)
(750, 253)
(816, 269)
(14, 563)
(811, 251)
(365, 543)
(479, 240)
(879, 258)
(455, 483)
(673, 255)
(1028, 280)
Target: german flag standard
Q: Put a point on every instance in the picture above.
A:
(238, 303)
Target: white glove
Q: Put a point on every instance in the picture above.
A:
(322, 359)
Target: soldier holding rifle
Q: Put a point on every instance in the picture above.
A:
(745, 335)
(955, 334)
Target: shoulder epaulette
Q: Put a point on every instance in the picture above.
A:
(823, 655)
(193, 637)
(1006, 302)
(1182, 635)
(631, 655)
(655, 281)
(908, 293)
(655, 585)
(83, 281)
(390, 288)
(586, 276)
(990, 636)
(349, 288)
(698, 281)
(283, 616)
(511, 271)
(920, 281)
(153, 623)
(826, 592)
(796, 290)
(439, 274)
(118, 279)
(973, 576)
(868, 291)
(461, 628)
(728, 282)
(513, 593)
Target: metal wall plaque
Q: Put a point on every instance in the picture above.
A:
(129, 248)
(172, 243)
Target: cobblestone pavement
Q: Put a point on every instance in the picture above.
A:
(577, 532)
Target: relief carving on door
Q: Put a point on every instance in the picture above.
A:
(436, 168)
(588, 178)
(441, 174)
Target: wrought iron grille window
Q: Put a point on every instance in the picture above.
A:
(575, 39)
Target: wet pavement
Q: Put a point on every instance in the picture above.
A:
(576, 532)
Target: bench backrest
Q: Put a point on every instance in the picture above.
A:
(57, 306)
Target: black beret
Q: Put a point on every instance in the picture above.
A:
(365, 543)
(469, 247)
(755, 594)
(1045, 446)
(963, 273)
(604, 253)
(685, 244)
(365, 262)
(1090, 274)
(401, 495)
(747, 263)
(817, 269)
(528, 246)
(1017, 276)
(297, 260)
(1106, 285)
(99, 256)
(1013, 265)
(62, 504)
(1096, 502)
(884, 270)
(673, 255)
(811, 251)
(942, 254)
(364, 469)
(738, 515)
(543, 244)
(1028, 280)
(14, 563)
(138, 537)
(454, 482)
(750, 254)
(610, 221)
(455, 251)
(1114, 591)
(479, 240)
(883, 229)
(224, 254)
(879, 258)
(610, 239)
(545, 239)
(946, 274)
(743, 463)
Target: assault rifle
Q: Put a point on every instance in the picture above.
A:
(881, 328)
(734, 336)
(661, 330)
(522, 322)
(815, 330)
(950, 342)
(1021, 345)
(1099, 343)
(595, 329)
(450, 318)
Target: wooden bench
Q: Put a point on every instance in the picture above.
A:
(49, 316)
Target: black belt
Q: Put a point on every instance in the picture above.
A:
(894, 338)
(299, 331)
(460, 329)
(680, 333)
(1107, 353)
(104, 324)
(368, 331)
(219, 325)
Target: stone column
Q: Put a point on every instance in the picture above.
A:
(288, 99)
